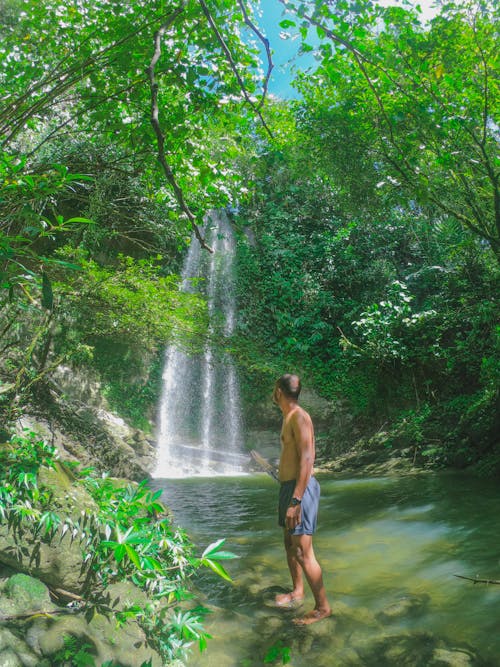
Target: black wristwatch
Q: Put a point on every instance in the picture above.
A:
(294, 502)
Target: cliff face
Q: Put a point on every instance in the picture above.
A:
(73, 416)
(95, 438)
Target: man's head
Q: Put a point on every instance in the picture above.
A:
(289, 385)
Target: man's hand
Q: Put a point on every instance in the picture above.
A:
(293, 516)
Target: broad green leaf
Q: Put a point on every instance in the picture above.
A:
(217, 568)
(133, 555)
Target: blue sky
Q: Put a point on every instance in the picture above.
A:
(285, 50)
(285, 55)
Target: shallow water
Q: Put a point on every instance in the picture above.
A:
(389, 548)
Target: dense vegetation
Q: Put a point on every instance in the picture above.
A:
(368, 209)
(373, 264)
(125, 534)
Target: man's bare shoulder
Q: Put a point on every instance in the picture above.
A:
(301, 424)
(300, 416)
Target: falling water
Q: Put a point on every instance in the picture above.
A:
(199, 414)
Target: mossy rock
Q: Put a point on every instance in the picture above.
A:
(102, 639)
(67, 497)
(14, 652)
(453, 657)
(27, 593)
(405, 606)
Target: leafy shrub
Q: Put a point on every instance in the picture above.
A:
(130, 538)
(21, 499)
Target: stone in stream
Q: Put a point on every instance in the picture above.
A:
(453, 657)
(346, 614)
(32, 641)
(413, 649)
(406, 605)
(408, 648)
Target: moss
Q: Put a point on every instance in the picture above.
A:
(27, 591)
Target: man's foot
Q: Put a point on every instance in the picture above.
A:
(289, 600)
(313, 616)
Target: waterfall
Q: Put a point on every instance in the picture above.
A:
(199, 425)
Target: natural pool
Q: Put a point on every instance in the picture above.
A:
(389, 548)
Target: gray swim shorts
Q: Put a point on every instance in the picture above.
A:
(309, 506)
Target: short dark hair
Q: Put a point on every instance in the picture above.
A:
(289, 385)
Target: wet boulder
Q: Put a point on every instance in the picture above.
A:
(403, 607)
(454, 657)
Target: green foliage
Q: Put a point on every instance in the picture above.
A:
(30, 218)
(77, 653)
(388, 95)
(459, 432)
(131, 380)
(21, 499)
(278, 652)
(391, 331)
(116, 319)
(142, 546)
(74, 652)
(131, 302)
(103, 67)
(283, 301)
(78, 145)
(129, 216)
(373, 298)
(212, 555)
(130, 537)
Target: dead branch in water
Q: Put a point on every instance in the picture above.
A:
(476, 580)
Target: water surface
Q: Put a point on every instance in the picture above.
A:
(389, 548)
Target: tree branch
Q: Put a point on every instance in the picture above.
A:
(160, 138)
(402, 165)
(478, 581)
(227, 52)
(265, 41)
(14, 115)
(36, 614)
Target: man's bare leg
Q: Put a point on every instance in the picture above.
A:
(297, 593)
(303, 552)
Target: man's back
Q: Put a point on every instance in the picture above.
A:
(297, 443)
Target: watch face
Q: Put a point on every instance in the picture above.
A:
(295, 502)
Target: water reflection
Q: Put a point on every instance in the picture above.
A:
(389, 549)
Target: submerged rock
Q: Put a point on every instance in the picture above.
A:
(406, 605)
(353, 616)
(412, 649)
(453, 657)
(403, 650)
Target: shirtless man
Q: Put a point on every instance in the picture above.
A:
(298, 500)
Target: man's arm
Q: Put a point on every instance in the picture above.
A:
(304, 443)
(303, 436)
